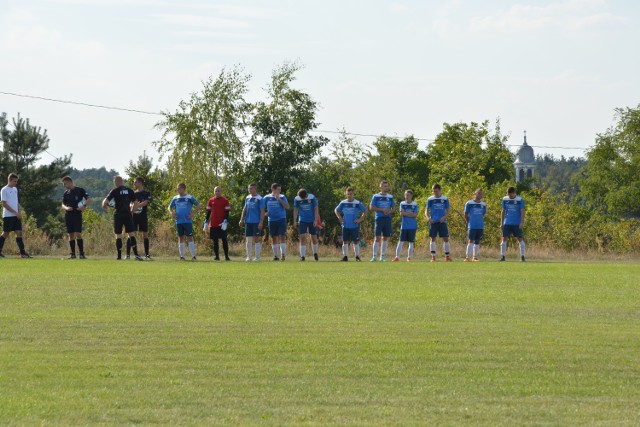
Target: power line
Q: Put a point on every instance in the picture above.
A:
(132, 110)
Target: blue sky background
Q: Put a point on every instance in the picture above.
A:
(556, 68)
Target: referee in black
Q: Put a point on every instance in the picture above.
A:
(140, 216)
(123, 198)
(74, 201)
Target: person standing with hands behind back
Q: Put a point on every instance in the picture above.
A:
(74, 201)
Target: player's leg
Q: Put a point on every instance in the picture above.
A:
(314, 242)
(257, 240)
(411, 238)
(283, 238)
(225, 244)
(250, 240)
(214, 235)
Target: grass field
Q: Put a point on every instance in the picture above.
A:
(106, 342)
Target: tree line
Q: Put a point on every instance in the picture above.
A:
(217, 137)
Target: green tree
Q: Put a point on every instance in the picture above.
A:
(281, 144)
(203, 139)
(23, 145)
(462, 150)
(610, 181)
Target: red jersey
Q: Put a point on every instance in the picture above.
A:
(218, 206)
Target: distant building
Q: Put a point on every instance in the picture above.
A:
(525, 163)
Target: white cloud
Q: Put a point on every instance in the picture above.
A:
(200, 21)
(399, 8)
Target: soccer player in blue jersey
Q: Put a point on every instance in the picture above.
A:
(275, 206)
(474, 212)
(252, 217)
(409, 225)
(384, 206)
(437, 211)
(305, 214)
(183, 208)
(350, 212)
(512, 221)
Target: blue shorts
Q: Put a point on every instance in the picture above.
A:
(306, 228)
(511, 230)
(252, 230)
(438, 229)
(475, 235)
(278, 227)
(350, 235)
(408, 235)
(382, 227)
(185, 229)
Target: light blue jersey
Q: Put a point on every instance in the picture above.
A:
(273, 207)
(183, 206)
(409, 223)
(476, 212)
(306, 208)
(252, 205)
(350, 212)
(437, 207)
(513, 210)
(382, 201)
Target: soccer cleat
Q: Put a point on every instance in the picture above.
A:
(275, 258)
(25, 255)
(128, 257)
(282, 258)
(256, 259)
(408, 259)
(502, 258)
(433, 259)
(216, 258)
(71, 256)
(448, 258)
(467, 259)
(82, 256)
(373, 259)
(302, 258)
(358, 259)
(181, 258)
(227, 258)
(346, 258)
(2, 255)
(395, 259)
(194, 259)
(118, 258)
(315, 257)
(475, 259)
(522, 258)
(138, 258)
(148, 258)
(383, 259)
(247, 259)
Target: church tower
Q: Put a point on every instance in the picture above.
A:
(525, 163)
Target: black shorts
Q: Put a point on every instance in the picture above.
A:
(122, 220)
(73, 223)
(141, 222)
(11, 223)
(217, 233)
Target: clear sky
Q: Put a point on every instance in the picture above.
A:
(556, 68)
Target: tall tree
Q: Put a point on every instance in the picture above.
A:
(281, 145)
(203, 139)
(610, 181)
(23, 145)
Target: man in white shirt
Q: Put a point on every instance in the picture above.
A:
(11, 215)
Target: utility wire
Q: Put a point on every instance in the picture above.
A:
(132, 110)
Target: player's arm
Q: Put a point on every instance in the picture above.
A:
(5, 205)
(194, 210)
(502, 214)
(87, 202)
(105, 204)
(227, 211)
(262, 215)
(242, 215)
(427, 212)
(316, 215)
(522, 218)
(172, 210)
(64, 207)
(284, 202)
(338, 215)
(295, 216)
(446, 214)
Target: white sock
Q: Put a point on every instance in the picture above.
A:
(248, 245)
(356, 248)
(376, 245)
(384, 248)
(315, 248)
(399, 248)
(275, 248)
(432, 248)
(410, 253)
(447, 248)
(181, 249)
(258, 249)
(503, 248)
(283, 249)
(303, 250)
(345, 249)
(522, 248)
(476, 250)
(192, 248)
(469, 248)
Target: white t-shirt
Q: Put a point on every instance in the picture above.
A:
(9, 195)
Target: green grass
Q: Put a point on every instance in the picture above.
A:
(102, 342)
